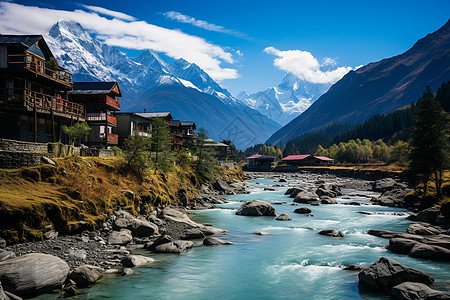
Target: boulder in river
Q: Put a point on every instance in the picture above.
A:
(425, 251)
(32, 274)
(416, 291)
(422, 229)
(212, 241)
(330, 190)
(256, 208)
(86, 275)
(283, 217)
(165, 244)
(4, 255)
(384, 184)
(136, 261)
(222, 187)
(306, 197)
(400, 245)
(428, 215)
(332, 233)
(327, 200)
(302, 210)
(386, 273)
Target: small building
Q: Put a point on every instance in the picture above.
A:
(220, 149)
(34, 90)
(258, 162)
(130, 124)
(177, 135)
(101, 102)
(189, 138)
(307, 160)
(165, 115)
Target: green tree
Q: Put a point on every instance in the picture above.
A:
(161, 141)
(136, 151)
(400, 153)
(429, 142)
(206, 164)
(76, 131)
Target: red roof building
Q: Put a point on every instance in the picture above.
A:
(307, 160)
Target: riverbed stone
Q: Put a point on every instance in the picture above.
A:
(327, 200)
(122, 237)
(302, 210)
(2, 243)
(386, 273)
(417, 291)
(256, 208)
(86, 275)
(283, 217)
(222, 187)
(306, 197)
(212, 241)
(425, 251)
(192, 233)
(428, 215)
(400, 245)
(177, 246)
(330, 190)
(5, 255)
(332, 233)
(261, 233)
(132, 261)
(32, 274)
(422, 229)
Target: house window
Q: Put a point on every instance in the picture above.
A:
(48, 127)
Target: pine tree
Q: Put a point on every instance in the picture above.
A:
(161, 140)
(429, 142)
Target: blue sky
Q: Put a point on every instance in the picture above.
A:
(231, 40)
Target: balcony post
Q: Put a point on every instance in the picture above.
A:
(35, 120)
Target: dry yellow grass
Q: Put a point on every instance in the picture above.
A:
(73, 197)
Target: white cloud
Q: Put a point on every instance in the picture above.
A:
(305, 66)
(179, 17)
(111, 13)
(20, 19)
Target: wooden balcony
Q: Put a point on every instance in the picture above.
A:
(26, 61)
(101, 117)
(20, 98)
(114, 103)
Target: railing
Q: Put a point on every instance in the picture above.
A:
(49, 103)
(113, 102)
(61, 76)
(101, 117)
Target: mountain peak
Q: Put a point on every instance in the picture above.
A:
(69, 28)
(151, 59)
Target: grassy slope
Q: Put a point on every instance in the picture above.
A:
(72, 196)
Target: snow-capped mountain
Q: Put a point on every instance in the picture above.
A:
(148, 82)
(286, 101)
(200, 79)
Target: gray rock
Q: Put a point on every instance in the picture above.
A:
(46, 160)
(355, 268)
(283, 217)
(327, 200)
(330, 190)
(138, 227)
(132, 261)
(256, 208)
(77, 254)
(2, 243)
(86, 275)
(430, 252)
(306, 196)
(422, 229)
(174, 247)
(261, 233)
(122, 237)
(384, 184)
(391, 198)
(127, 271)
(402, 246)
(417, 291)
(282, 180)
(302, 210)
(192, 233)
(223, 187)
(386, 234)
(428, 215)
(386, 273)
(5, 255)
(332, 233)
(32, 274)
(212, 241)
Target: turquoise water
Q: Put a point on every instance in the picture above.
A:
(293, 263)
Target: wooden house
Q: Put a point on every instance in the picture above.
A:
(258, 162)
(189, 138)
(307, 160)
(130, 124)
(101, 100)
(34, 90)
(177, 135)
(220, 150)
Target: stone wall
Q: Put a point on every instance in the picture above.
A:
(105, 152)
(18, 159)
(12, 145)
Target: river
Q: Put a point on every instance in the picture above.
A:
(295, 262)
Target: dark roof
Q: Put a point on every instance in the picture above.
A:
(187, 123)
(155, 114)
(25, 40)
(99, 87)
(175, 123)
(260, 157)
